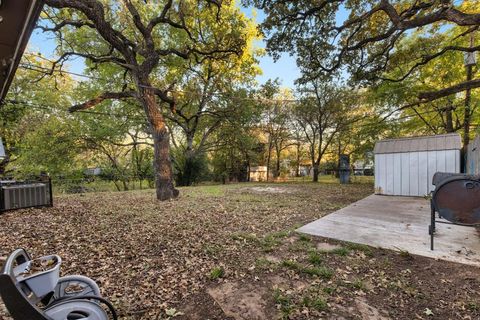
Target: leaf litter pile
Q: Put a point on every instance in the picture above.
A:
(230, 252)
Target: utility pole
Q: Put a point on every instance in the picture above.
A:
(470, 62)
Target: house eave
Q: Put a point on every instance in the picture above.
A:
(17, 21)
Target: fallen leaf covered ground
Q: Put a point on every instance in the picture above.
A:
(230, 252)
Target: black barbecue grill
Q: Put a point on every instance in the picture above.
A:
(456, 199)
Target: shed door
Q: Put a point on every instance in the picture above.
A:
(410, 174)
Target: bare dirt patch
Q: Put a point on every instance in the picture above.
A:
(273, 190)
(244, 301)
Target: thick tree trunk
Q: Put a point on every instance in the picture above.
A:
(187, 175)
(277, 164)
(162, 163)
(297, 169)
(466, 123)
(161, 144)
(449, 120)
(316, 172)
(269, 157)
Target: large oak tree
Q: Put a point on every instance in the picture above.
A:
(140, 40)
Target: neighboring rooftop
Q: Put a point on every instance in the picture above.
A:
(17, 20)
(451, 141)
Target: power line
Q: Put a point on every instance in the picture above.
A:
(50, 108)
(129, 117)
(44, 70)
(49, 71)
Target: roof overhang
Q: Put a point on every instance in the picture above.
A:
(441, 142)
(17, 21)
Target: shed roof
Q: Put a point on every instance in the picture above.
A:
(451, 141)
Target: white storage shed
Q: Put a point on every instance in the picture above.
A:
(405, 167)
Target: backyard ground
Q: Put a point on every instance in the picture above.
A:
(230, 252)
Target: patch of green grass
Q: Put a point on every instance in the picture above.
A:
(264, 264)
(314, 258)
(272, 240)
(322, 272)
(359, 285)
(207, 190)
(285, 303)
(340, 251)
(473, 306)
(301, 246)
(362, 179)
(249, 198)
(244, 236)
(304, 237)
(359, 247)
(316, 303)
(293, 265)
(216, 273)
(405, 254)
(319, 271)
(329, 290)
(212, 249)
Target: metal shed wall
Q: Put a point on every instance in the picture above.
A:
(406, 167)
(473, 157)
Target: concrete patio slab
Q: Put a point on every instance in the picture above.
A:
(398, 223)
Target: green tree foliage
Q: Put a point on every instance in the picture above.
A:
(30, 106)
(444, 115)
(140, 43)
(53, 147)
(362, 36)
(237, 142)
(324, 113)
(205, 98)
(276, 107)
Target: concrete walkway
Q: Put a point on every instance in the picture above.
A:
(398, 223)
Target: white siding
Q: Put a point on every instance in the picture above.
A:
(441, 161)
(450, 160)
(405, 174)
(432, 168)
(423, 173)
(397, 174)
(411, 173)
(390, 174)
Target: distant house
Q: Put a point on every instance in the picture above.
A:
(258, 173)
(363, 168)
(92, 171)
(2, 150)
